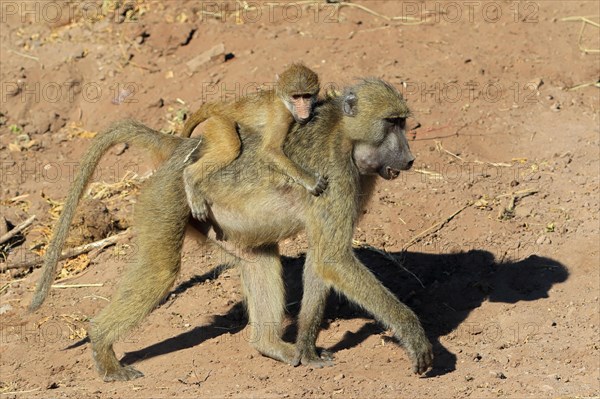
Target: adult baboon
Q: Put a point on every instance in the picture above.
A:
(352, 139)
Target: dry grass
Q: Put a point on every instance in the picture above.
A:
(245, 7)
(585, 21)
(75, 324)
(75, 130)
(74, 267)
(128, 184)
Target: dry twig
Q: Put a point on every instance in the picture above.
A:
(245, 7)
(18, 198)
(508, 211)
(405, 19)
(31, 57)
(395, 261)
(390, 257)
(19, 392)
(584, 22)
(77, 285)
(17, 230)
(433, 229)
(432, 175)
(69, 253)
(582, 85)
(440, 148)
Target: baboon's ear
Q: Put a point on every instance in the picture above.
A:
(350, 104)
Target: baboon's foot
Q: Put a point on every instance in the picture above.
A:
(123, 373)
(310, 357)
(319, 186)
(110, 369)
(199, 208)
(420, 352)
(282, 351)
(197, 203)
(194, 196)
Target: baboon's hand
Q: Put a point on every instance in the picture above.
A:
(319, 186)
(420, 352)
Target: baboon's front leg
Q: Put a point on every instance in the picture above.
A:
(334, 262)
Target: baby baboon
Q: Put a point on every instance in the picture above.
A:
(270, 113)
(356, 137)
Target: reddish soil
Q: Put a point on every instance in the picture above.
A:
(509, 298)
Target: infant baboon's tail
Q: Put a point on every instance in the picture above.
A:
(203, 113)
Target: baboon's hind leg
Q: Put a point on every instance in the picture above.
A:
(161, 215)
(220, 146)
(265, 298)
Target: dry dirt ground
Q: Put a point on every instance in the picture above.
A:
(506, 133)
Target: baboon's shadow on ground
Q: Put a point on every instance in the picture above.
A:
(448, 287)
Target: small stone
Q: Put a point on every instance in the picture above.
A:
(3, 226)
(141, 38)
(536, 83)
(5, 308)
(197, 62)
(338, 377)
(469, 378)
(121, 148)
(543, 239)
(498, 374)
(157, 104)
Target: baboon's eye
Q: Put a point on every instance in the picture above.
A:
(305, 96)
(398, 121)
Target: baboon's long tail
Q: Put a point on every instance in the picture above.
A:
(127, 131)
(203, 113)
